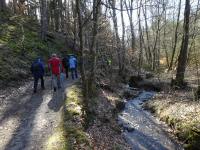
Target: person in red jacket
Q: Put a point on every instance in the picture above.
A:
(55, 66)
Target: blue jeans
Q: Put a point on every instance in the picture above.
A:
(74, 73)
(56, 81)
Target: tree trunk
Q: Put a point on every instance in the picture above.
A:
(123, 36)
(114, 17)
(176, 37)
(80, 33)
(61, 18)
(82, 66)
(15, 6)
(130, 16)
(2, 5)
(44, 21)
(149, 56)
(182, 59)
(74, 14)
(194, 31)
(156, 47)
(140, 37)
(96, 8)
(56, 16)
(164, 37)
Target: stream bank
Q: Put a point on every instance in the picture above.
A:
(143, 131)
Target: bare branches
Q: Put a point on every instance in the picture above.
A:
(129, 9)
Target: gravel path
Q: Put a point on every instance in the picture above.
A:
(142, 130)
(27, 119)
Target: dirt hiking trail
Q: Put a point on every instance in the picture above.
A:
(27, 120)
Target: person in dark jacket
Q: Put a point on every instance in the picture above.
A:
(65, 62)
(37, 69)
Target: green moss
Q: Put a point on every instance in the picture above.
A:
(57, 141)
(73, 115)
(70, 135)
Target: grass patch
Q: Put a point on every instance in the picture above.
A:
(75, 136)
(57, 141)
(183, 116)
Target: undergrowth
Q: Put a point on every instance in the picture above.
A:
(20, 44)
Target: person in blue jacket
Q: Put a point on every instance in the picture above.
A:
(73, 66)
(37, 69)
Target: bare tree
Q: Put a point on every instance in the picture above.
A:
(44, 21)
(156, 46)
(114, 17)
(175, 37)
(194, 30)
(80, 33)
(129, 9)
(182, 59)
(149, 54)
(164, 34)
(96, 9)
(123, 35)
(140, 38)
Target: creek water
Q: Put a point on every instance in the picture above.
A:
(142, 130)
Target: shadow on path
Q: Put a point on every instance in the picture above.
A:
(57, 100)
(15, 104)
(21, 136)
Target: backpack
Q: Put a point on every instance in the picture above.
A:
(66, 62)
(36, 67)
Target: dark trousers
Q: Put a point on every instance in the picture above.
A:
(66, 72)
(36, 79)
(74, 73)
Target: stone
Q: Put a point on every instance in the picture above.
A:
(134, 80)
(120, 105)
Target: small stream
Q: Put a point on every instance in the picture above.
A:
(142, 130)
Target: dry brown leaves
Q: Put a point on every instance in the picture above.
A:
(105, 133)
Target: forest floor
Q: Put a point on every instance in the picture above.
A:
(33, 121)
(179, 109)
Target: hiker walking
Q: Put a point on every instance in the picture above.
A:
(73, 66)
(37, 69)
(65, 62)
(55, 66)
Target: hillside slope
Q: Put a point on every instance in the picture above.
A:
(20, 44)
